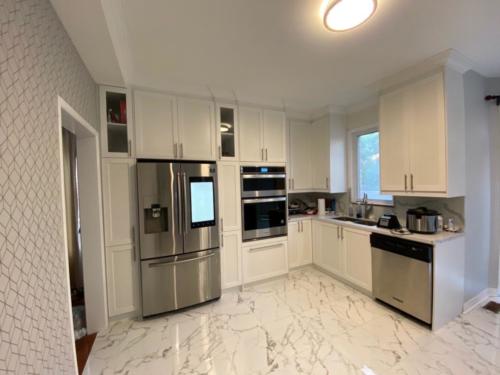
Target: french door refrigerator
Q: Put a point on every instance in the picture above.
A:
(179, 234)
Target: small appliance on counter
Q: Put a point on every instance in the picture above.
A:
(423, 220)
(388, 221)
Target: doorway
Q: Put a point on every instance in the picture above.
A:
(83, 228)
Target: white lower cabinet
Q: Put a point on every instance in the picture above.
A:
(231, 259)
(344, 252)
(122, 280)
(299, 243)
(264, 259)
(328, 252)
(358, 258)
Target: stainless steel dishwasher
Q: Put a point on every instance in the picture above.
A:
(402, 274)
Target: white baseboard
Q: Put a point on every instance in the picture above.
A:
(479, 299)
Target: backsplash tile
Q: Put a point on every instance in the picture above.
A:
(448, 207)
(37, 63)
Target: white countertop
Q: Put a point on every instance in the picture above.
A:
(424, 238)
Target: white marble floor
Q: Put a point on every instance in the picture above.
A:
(307, 323)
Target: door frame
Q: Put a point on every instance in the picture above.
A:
(91, 216)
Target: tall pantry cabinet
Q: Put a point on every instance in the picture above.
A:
(119, 195)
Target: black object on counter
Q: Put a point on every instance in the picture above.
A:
(388, 221)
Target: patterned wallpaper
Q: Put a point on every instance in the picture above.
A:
(37, 63)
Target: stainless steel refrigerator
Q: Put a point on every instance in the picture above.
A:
(179, 234)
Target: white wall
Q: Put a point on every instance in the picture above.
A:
(493, 87)
(39, 63)
(478, 186)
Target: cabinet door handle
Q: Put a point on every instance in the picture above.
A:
(175, 150)
(129, 147)
(293, 183)
(411, 181)
(266, 154)
(342, 233)
(406, 183)
(221, 240)
(327, 183)
(338, 235)
(301, 226)
(262, 154)
(221, 224)
(220, 152)
(182, 151)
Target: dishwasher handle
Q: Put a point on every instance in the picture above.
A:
(411, 249)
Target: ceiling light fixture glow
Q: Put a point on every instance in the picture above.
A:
(342, 15)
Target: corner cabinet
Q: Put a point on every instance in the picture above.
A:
(422, 137)
(317, 155)
(171, 127)
(262, 135)
(345, 252)
(116, 122)
(119, 197)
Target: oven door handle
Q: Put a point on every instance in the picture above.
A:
(263, 175)
(263, 200)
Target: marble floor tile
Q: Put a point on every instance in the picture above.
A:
(305, 323)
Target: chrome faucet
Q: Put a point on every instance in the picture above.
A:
(363, 207)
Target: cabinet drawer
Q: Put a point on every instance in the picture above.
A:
(264, 261)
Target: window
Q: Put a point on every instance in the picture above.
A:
(367, 168)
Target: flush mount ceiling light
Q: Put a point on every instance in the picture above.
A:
(224, 127)
(342, 15)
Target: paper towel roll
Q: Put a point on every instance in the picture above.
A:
(321, 207)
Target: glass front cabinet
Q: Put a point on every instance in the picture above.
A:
(227, 132)
(116, 120)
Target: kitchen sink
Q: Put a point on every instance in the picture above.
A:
(356, 220)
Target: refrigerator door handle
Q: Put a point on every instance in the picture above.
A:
(176, 262)
(184, 208)
(179, 203)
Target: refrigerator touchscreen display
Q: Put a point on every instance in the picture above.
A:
(202, 202)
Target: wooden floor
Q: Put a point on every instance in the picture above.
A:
(83, 348)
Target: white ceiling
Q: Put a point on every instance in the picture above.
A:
(274, 51)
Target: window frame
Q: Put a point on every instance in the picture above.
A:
(354, 134)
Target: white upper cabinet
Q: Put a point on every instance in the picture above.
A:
(427, 131)
(229, 196)
(274, 136)
(170, 127)
(318, 155)
(227, 130)
(394, 142)
(196, 129)
(116, 124)
(422, 137)
(262, 135)
(156, 119)
(300, 161)
(251, 134)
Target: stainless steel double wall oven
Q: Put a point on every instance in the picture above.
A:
(179, 234)
(263, 202)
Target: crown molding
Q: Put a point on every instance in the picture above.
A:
(449, 58)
